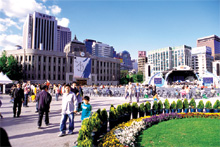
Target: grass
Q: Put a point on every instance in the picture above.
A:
(188, 132)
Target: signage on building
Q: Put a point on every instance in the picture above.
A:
(208, 80)
(141, 53)
(184, 67)
(157, 80)
(82, 67)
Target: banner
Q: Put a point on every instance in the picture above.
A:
(208, 80)
(82, 67)
(157, 80)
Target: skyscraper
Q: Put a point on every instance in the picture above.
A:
(40, 31)
(63, 37)
(88, 43)
(212, 41)
(102, 50)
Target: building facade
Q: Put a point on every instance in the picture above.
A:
(170, 57)
(88, 43)
(102, 50)
(202, 59)
(63, 37)
(141, 61)
(127, 63)
(40, 31)
(59, 67)
(216, 68)
(213, 42)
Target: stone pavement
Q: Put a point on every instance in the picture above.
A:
(23, 131)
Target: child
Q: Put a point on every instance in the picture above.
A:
(155, 98)
(86, 108)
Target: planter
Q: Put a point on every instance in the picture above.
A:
(103, 129)
(113, 123)
(179, 110)
(208, 110)
(134, 115)
(167, 110)
(95, 137)
(215, 110)
(141, 114)
(120, 119)
(173, 110)
(199, 110)
(127, 116)
(148, 113)
(186, 110)
(192, 110)
(160, 111)
(154, 112)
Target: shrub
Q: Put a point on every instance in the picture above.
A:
(167, 104)
(134, 107)
(192, 103)
(179, 104)
(173, 105)
(128, 108)
(216, 104)
(185, 104)
(160, 105)
(95, 121)
(155, 105)
(113, 114)
(119, 110)
(142, 108)
(208, 105)
(201, 105)
(147, 106)
(104, 115)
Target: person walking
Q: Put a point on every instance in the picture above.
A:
(57, 90)
(18, 95)
(137, 92)
(69, 107)
(130, 90)
(44, 100)
(26, 92)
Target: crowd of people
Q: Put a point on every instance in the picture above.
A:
(73, 102)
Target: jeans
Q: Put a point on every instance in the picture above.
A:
(57, 95)
(41, 113)
(36, 106)
(137, 96)
(25, 100)
(63, 122)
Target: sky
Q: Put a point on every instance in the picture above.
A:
(130, 25)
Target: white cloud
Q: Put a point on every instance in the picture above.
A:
(55, 9)
(7, 22)
(63, 22)
(8, 42)
(44, 1)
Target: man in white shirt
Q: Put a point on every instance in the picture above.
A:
(69, 107)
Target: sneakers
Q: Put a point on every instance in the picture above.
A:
(70, 133)
(61, 134)
(39, 127)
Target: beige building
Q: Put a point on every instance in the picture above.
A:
(58, 67)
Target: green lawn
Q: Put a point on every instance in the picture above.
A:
(187, 132)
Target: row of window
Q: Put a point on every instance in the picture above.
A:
(33, 77)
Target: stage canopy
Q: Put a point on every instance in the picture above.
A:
(4, 79)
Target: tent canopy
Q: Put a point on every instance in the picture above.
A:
(4, 79)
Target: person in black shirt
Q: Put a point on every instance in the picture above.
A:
(18, 95)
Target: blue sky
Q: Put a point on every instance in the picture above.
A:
(126, 25)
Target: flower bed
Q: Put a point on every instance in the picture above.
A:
(126, 133)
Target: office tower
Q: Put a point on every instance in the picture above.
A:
(63, 37)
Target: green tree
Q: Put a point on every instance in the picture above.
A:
(14, 71)
(3, 62)
(10, 67)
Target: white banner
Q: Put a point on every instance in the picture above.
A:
(82, 67)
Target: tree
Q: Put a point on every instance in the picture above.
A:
(3, 62)
(14, 69)
(10, 67)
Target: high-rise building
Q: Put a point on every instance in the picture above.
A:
(135, 64)
(102, 50)
(142, 59)
(88, 43)
(63, 37)
(170, 57)
(213, 42)
(202, 59)
(40, 31)
(125, 56)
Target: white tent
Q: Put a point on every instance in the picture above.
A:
(4, 79)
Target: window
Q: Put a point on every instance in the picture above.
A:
(49, 59)
(39, 58)
(49, 76)
(54, 77)
(44, 77)
(44, 68)
(63, 77)
(59, 68)
(58, 77)
(64, 60)
(70, 69)
(63, 69)
(54, 68)
(29, 58)
(38, 67)
(49, 68)
(38, 76)
(54, 59)
(25, 58)
(59, 60)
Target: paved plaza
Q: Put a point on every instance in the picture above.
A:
(23, 131)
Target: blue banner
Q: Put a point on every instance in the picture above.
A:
(208, 80)
(157, 80)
